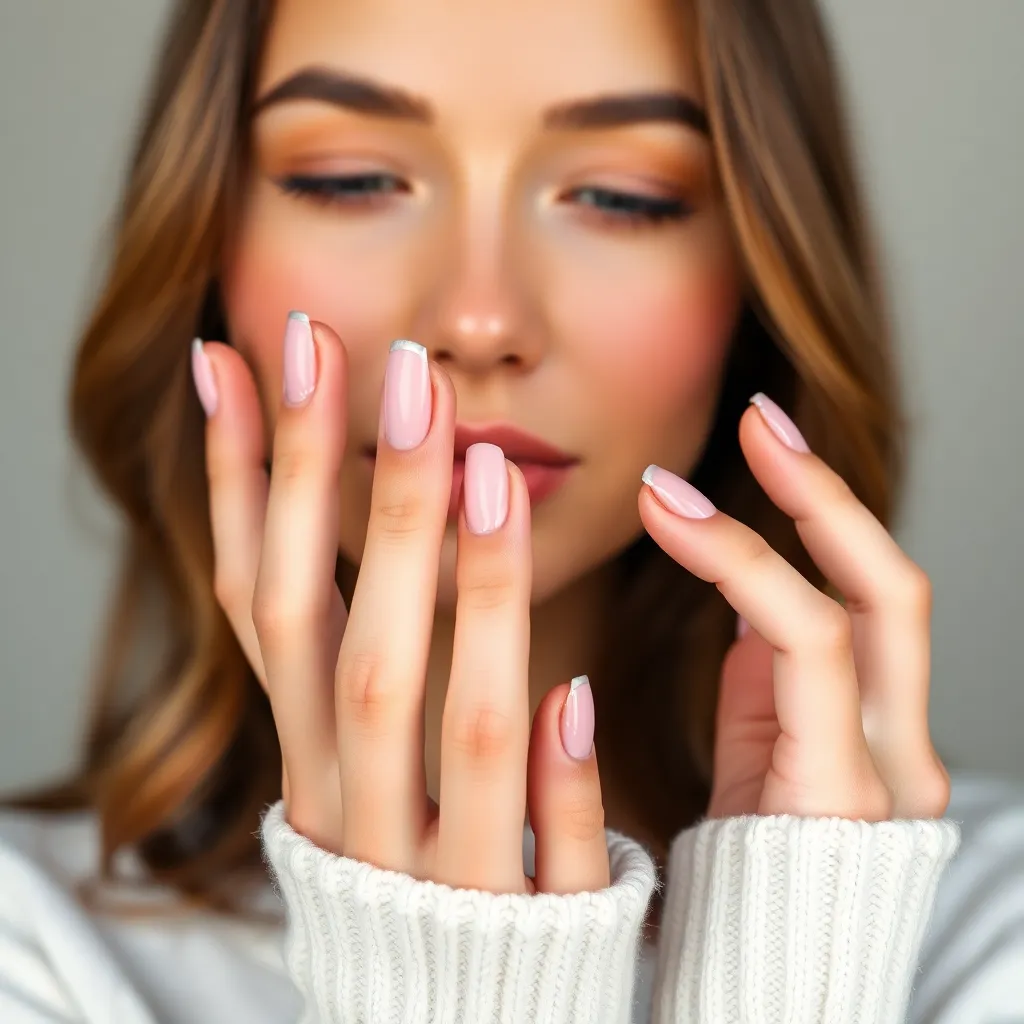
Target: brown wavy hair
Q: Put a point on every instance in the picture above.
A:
(182, 754)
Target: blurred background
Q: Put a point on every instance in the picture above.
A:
(937, 92)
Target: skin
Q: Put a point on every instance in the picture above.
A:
(606, 338)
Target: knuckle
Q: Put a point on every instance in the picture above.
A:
(913, 590)
(582, 819)
(484, 590)
(400, 518)
(278, 619)
(218, 467)
(837, 491)
(231, 593)
(483, 734)
(934, 790)
(754, 550)
(292, 464)
(833, 628)
(368, 702)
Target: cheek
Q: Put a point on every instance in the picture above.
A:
(653, 349)
(283, 261)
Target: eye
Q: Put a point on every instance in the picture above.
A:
(350, 190)
(628, 208)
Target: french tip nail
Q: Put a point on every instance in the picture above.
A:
(579, 681)
(757, 399)
(296, 314)
(197, 345)
(648, 475)
(404, 345)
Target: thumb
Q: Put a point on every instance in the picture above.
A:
(747, 727)
(746, 693)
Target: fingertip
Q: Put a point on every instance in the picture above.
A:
(237, 425)
(331, 353)
(654, 516)
(519, 492)
(546, 717)
(752, 429)
(443, 410)
(442, 379)
(324, 334)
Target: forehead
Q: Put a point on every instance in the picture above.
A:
(489, 57)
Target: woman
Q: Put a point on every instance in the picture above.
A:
(378, 566)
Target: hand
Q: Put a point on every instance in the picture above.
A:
(347, 688)
(823, 710)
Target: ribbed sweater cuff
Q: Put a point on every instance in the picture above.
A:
(785, 919)
(368, 945)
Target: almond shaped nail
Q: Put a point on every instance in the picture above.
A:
(677, 495)
(577, 723)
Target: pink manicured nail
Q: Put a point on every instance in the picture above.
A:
(299, 360)
(407, 395)
(781, 425)
(677, 495)
(577, 725)
(485, 488)
(202, 374)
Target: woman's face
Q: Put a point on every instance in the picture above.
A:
(525, 188)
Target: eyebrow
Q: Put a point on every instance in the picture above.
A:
(348, 91)
(365, 96)
(633, 108)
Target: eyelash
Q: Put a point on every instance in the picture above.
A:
(347, 190)
(632, 209)
(620, 209)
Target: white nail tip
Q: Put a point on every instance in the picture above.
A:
(408, 346)
(578, 682)
(757, 399)
(297, 315)
(648, 477)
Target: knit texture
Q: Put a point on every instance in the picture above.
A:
(783, 919)
(368, 946)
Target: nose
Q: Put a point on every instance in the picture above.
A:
(480, 317)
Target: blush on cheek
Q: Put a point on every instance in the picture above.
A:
(266, 281)
(657, 347)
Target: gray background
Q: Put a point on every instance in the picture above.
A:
(937, 88)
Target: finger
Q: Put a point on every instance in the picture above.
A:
(382, 668)
(887, 597)
(564, 792)
(296, 606)
(746, 695)
(235, 459)
(486, 725)
(746, 727)
(816, 697)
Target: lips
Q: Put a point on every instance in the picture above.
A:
(517, 445)
(544, 467)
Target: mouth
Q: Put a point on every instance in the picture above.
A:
(544, 467)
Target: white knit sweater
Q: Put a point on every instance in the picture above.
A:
(767, 920)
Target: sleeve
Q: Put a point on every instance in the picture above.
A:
(54, 968)
(368, 945)
(808, 919)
